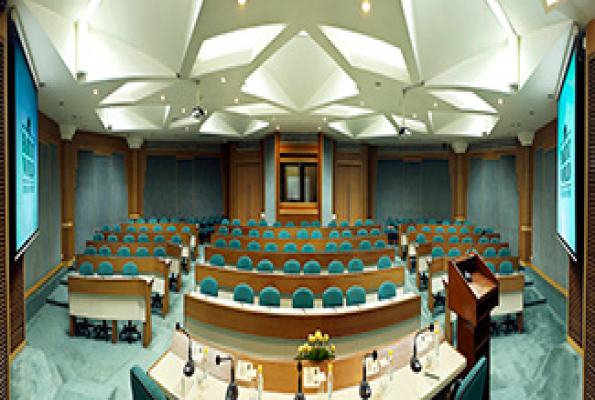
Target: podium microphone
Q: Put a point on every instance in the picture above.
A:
(365, 391)
(415, 363)
(189, 367)
(299, 395)
(232, 389)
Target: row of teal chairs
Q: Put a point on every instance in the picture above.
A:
(107, 269)
(125, 251)
(301, 234)
(262, 222)
(397, 221)
(191, 220)
(302, 297)
(454, 252)
(312, 267)
(421, 238)
(451, 229)
(330, 247)
(156, 228)
(177, 239)
(505, 268)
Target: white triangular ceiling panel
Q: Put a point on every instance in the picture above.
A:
(262, 84)
(413, 124)
(378, 126)
(342, 111)
(131, 92)
(255, 126)
(129, 118)
(256, 109)
(476, 125)
(341, 127)
(216, 124)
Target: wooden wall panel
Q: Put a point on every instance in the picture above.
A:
(350, 198)
(246, 180)
(524, 165)
(459, 179)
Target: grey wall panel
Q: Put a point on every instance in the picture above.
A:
(84, 200)
(436, 190)
(186, 201)
(55, 231)
(327, 181)
(475, 191)
(160, 194)
(537, 208)
(508, 208)
(270, 179)
(119, 189)
(209, 186)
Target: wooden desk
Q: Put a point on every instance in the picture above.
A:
(418, 227)
(171, 249)
(412, 236)
(185, 236)
(290, 323)
(426, 248)
(279, 258)
(179, 226)
(111, 298)
(154, 267)
(319, 244)
(287, 283)
(294, 230)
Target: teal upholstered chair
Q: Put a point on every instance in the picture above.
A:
(411, 228)
(312, 268)
(271, 248)
(384, 262)
(284, 234)
(386, 291)
(263, 222)
(420, 238)
(303, 298)
(483, 239)
(506, 268)
(105, 269)
(217, 260)
(277, 223)
(439, 229)
(302, 234)
(142, 252)
(163, 220)
(176, 239)
(236, 222)
(124, 251)
(290, 224)
(223, 230)
(143, 238)
(269, 297)
(346, 246)
(438, 239)
(290, 248)
(153, 220)
(220, 243)
(355, 265)
(334, 234)
(432, 221)
(420, 221)
(504, 252)
(365, 245)
(308, 248)
(454, 239)
(358, 222)
(336, 267)
(316, 234)
(251, 222)
(467, 239)
(105, 228)
(489, 230)
(130, 228)
(244, 263)
(464, 230)
(159, 252)
(426, 229)
(236, 232)
(254, 246)
(265, 266)
(112, 238)
(209, 287)
(454, 252)
(356, 295)
(98, 237)
(458, 223)
(495, 240)
(471, 250)
(292, 267)
(344, 223)
(446, 222)
(104, 251)
(159, 239)
(369, 222)
(186, 229)
(235, 244)
(224, 221)
(437, 252)
(346, 233)
(130, 269)
(268, 234)
(157, 228)
(362, 232)
(472, 387)
(143, 387)
(117, 228)
(332, 224)
(86, 269)
(316, 223)
(332, 297)
(491, 266)
(489, 252)
(331, 247)
(374, 232)
(380, 244)
(304, 223)
(254, 233)
(90, 250)
(477, 229)
(243, 294)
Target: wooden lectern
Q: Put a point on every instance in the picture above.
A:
(473, 302)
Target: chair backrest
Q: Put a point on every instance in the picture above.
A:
(316, 234)
(334, 234)
(98, 237)
(346, 246)
(374, 231)
(432, 221)
(284, 234)
(358, 222)
(346, 233)
(209, 286)
(254, 246)
(489, 230)
(159, 252)
(105, 228)
(356, 295)
(506, 268)
(308, 248)
(243, 294)
(467, 239)
(112, 238)
(152, 220)
(332, 224)
(105, 269)
(304, 223)
(437, 252)
(355, 265)
(251, 222)
(268, 234)
(464, 230)
(124, 252)
(235, 244)
(157, 228)
(477, 229)
(472, 387)
(90, 250)
(387, 290)
(186, 229)
(277, 223)
(142, 252)
(254, 233)
(129, 239)
(223, 230)
(454, 252)
(336, 267)
(312, 268)
(220, 243)
(117, 228)
(315, 223)
(303, 298)
(504, 252)
(104, 251)
(263, 222)
(271, 247)
(292, 267)
(302, 234)
(411, 228)
(454, 239)
(130, 228)
(236, 231)
(445, 222)
(489, 252)
(365, 245)
(86, 268)
(491, 266)
(143, 229)
(458, 223)
(471, 250)
(362, 232)
(369, 222)
(143, 238)
(438, 239)
(217, 260)
(452, 229)
(143, 387)
(495, 240)
(380, 244)
(332, 297)
(163, 220)
(384, 262)
(244, 263)
(483, 239)
(344, 223)
(159, 239)
(439, 229)
(269, 297)
(177, 239)
(236, 222)
(426, 229)
(420, 238)
(224, 221)
(265, 266)
(130, 269)
(290, 248)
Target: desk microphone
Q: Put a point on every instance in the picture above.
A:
(299, 395)
(189, 367)
(232, 389)
(415, 363)
(365, 391)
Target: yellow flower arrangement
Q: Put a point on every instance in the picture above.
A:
(316, 348)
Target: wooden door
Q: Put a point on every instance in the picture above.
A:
(349, 192)
(249, 191)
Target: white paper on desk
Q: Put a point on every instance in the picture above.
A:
(372, 367)
(245, 371)
(312, 377)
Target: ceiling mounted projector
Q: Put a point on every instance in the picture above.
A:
(404, 131)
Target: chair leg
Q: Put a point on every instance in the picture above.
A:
(130, 333)
(83, 328)
(424, 281)
(508, 325)
(102, 331)
(157, 301)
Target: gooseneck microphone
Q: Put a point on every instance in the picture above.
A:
(189, 366)
(415, 363)
(299, 395)
(365, 391)
(232, 389)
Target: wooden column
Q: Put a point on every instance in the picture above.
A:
(135, 166)
(372, 167)
(68, 165)
(458, 175)
(524, 167)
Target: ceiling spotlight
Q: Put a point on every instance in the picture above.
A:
(324, 119)
(187, 128)
(414, 115)
(95, 92)
(183, 110)
(236, 100)
(241, 2)
(162, 97)
(319, 128)
(366, 6)
(274, 118)
(500, 101)
(435, 105)
(277, 127)
(362, 103)
(223, 80)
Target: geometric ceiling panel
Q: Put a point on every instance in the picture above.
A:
(374, 126)
(218, 124)
(131, 118)
(465, 101)
(131, 92)
(342, 111)
(256, 109)
(368, 53)
(255, 126)
(452, 123)
(341, 127)
(233, 49)
(286, 78)
(413, 124)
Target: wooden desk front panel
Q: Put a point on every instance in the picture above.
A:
(441, 264)
(412, 236)
(172, 250)
(279, 258)
(179, 226)
(426, 248)
(267, 322)
(294, 230)
(418, 227)
(319, 244)
(185, 236)
(287, 284)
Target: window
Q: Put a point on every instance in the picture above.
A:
(299, 182)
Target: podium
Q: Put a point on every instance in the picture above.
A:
(472, 300)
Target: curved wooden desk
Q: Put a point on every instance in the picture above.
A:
(424, 249)
(279, 258)
(294, 229)
(185, 236)
(171, 249)
(412, 236)
(179, 226)
(146, 266)
(290, 323)
(287, 284)
(418, 227)
(319, 244)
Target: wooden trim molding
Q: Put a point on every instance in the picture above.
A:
(575, 346)
(43, 280)
(548, 279)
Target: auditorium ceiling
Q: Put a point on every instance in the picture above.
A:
(456, 70)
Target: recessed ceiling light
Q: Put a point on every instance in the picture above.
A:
(366, 6)
(414, 115)
(274, 118)
(362, 103)
(187, 128)
(183, 110)
(223, 80)
(241, 2)
(278, 127)
(162, 97)
(236, 100)
(500, 100)
(324, 119)
(95, 92)
(435, 105)
(319, 128)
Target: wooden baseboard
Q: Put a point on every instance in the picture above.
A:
(549, 280)
(17, 351)
(33, 288)
(575, 346)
